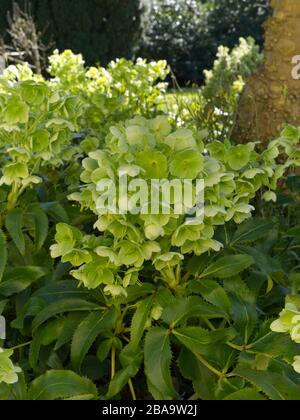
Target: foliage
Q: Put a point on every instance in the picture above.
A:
(213, 107)
(150, 150)
(131, 305)
(110, 94)
(24, 41)
(188, 33)
(101, 29)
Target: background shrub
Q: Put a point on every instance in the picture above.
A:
(101, 29)
(187, 33)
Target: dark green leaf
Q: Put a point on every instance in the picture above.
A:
(228, 266)
(139, 321)
(252, 230)
(158, 357)
(275, 345)
(43, 337)
(17, 279)
(62, 306)
(277, 387)
(3, 254)
(246, 394)
(13, 223)
(200, 341)
(194, 306)
(213, 293)
(41, 226)
(57, 385)
(87, 332)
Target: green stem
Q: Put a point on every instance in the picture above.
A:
(236, 347)
(210, 367)
(113, 362)
(20, 346)
(132, 390)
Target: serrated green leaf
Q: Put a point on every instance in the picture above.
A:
(131, 359)
(67, 289)
(277, 387)
(61, 384)
(252, 230)
(246, 394)
(43, 337)
(200, 341)
(41, 225)
(62, 306)
(139, 321)
(71, 322)
(228, 266)
(184, 308)
(3, 254)
(17, 279)
(212, 292)
(204, 381)
(275, 345)
(87, 332)
(14, 223)
(243, 307)
(158, 357)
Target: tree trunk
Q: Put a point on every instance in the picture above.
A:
(272, 96)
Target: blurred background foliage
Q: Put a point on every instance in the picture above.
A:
(186, 33)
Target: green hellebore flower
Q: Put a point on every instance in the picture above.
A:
(93, 274)
(131, 277)
(106, 252)
(40, 141)
(169, 259)
(161, 126)
(238, 157)
(8, 372)
(270, 196)
(65, 232)
(139, 136)
(13, 172)
(285, 322)
(154, 164)
(34, 93)
(295, 332)
(149, 248)
(67, 239)
(201, 246)
(16, 111)
(89, 144)
(181, 139)
(153, 231)
(130, 254)
(187, 164)
(156, 312)
(296, 364)
(115, 290)
(217, 150)
(77, 257)
(186, 232)
(19, 154)
(239, 212)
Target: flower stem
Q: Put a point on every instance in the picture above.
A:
(132, 390)
(113, 362)
(20, 346)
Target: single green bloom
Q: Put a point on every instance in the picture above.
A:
(187, 164)
(16, 111)
(154, 164)
(238, 157)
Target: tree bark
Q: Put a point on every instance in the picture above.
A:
(272, 96)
